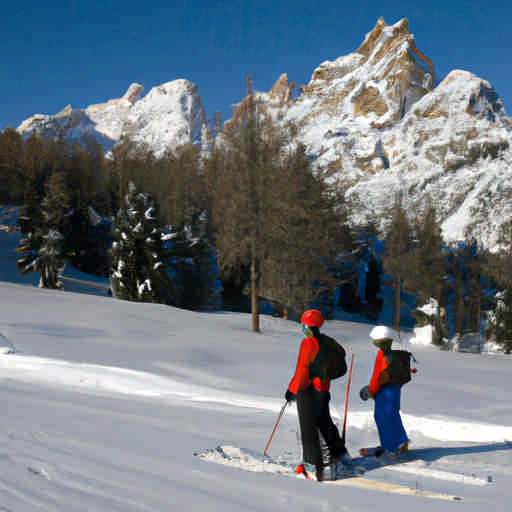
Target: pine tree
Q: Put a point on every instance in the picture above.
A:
(428, 257)
(55, 209)
(139, 259)
(194, 271)
(12, 176)
(88, 241)
(43, 247)
(398, 255)
(499, 322)
(429, 266)
(466, 264)
(51, 259)
(499, 268)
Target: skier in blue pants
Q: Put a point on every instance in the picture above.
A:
(392, 435)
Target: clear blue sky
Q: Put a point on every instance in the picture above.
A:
(83, 52)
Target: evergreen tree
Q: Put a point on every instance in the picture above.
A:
(31, 225)
(55, 209)
(466, 264)
(428, 257)
(139, 259)
(398, 256)
(28, 248)
(429, 266)
(499, 268)
(499, 324)
(51, 259)
(12, 176)
(88, 241)
(193, 270)
(42, 248)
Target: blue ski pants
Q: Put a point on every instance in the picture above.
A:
(387, 417)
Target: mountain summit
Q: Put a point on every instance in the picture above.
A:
(171, 114)
(379, 81)
(378, 121)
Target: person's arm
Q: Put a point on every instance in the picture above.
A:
(308, 351)
(380, 364)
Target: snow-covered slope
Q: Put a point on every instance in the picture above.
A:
(111, 405)
(107, 402)
(171, 114)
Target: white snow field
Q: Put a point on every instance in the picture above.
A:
(116, 406)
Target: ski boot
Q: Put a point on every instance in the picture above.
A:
(376, 452)
(404, 448)
(344, 467)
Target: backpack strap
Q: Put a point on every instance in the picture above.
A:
(317, 367)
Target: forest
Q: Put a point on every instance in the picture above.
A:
(250, 224)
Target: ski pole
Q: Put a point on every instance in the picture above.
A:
(275, 427)
(346, 396)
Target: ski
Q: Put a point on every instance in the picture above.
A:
(376, 485)
(352, 478)
(366, 483)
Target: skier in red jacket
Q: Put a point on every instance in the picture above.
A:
(310, 388)
(392, 435)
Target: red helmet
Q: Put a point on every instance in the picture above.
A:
(312, 318)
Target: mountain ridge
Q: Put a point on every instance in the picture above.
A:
(375, 117)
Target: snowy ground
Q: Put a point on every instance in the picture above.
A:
(106, 403)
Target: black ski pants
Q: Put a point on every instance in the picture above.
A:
(315, 417)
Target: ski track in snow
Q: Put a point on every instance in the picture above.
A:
(419, 468)
(106, 379)
(88, 479)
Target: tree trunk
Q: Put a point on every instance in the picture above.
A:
(255, 304)
(477, 297)
(396, 312)
(460, 314)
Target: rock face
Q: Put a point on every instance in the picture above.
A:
(379, 81)
(376, 120)
(168, 116)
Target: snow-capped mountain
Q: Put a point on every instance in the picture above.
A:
(171, 114)
(375, 118)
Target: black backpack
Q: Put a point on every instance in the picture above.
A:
(399, 369)
(330, 362)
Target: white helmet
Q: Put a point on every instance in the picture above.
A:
(381, 332)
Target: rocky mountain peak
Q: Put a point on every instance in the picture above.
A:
(383, 34)
(380, 81)
(377, 120)
(133, 93)
(282, 90)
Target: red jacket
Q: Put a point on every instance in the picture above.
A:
(377, 380)
(301, 380)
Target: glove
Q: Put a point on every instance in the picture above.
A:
(365, 393)
(289, 396)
